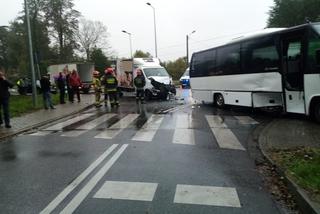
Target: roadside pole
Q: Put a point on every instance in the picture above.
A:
(33, 76)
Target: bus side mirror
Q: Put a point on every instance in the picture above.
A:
(318, 57)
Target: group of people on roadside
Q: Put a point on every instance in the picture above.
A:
(110, 83)
(65, 79)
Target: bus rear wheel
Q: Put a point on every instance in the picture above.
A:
(219, 100)
(316, 112)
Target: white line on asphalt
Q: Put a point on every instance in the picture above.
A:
(246, 120)
(207, 195)
(149, 129)
(87, 126)
(115, 129)
(215, 121)
(184, 132)
(96, 122)
(224, 136)
(53, 204)
(41, 133)
(137, 191)
(60, 126)
(77, 200)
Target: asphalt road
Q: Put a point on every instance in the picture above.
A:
(161, 157)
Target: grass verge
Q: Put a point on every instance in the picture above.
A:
(303, 166)
(22, 104)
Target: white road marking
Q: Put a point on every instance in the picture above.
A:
(41, 133)
(115, 129)
(224, 136)
(207, 195)
(184, 132)
(83, 193)
(87, 126)
(137, 191)
(96, 122)
(60, 126)
(149, 129)
(77, 181)
(246, 120)
(226, 139)
(215, 121)
(74, 133)
(184, 136)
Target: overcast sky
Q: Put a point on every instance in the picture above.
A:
(213, 20)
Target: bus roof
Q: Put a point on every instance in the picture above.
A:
(261, 33)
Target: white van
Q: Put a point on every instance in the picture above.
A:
(156, 76)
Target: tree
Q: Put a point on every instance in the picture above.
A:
(286, 13)
(62, 22)
(176, 68)
(4, 47)
(141, 54)
(91, 34)
(100, 60)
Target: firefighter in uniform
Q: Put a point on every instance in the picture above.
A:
(110, 83)
(139, 83)
(96, 82)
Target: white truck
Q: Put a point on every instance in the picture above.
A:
(158, 81)
(84, 70)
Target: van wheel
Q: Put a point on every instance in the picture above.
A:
(148, 95)
(219, 100)
(316, 112)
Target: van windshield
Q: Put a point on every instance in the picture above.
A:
(317, 28)
(186, 73)
(155, 72)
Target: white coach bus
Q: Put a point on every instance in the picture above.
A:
(271, 68)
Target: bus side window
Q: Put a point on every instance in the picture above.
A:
(260, 56)
(313, 54)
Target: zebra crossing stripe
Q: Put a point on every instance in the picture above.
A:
(115, 129)
(90, 125)
(149, 129)
(60, 126)
(246, 120)
(94, 123)
(224, 136)
(184, 132)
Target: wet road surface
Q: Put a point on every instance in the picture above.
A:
(162, 157)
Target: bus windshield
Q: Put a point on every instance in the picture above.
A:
(155, 72)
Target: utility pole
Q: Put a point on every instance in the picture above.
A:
(33, 76)
(187, 44)
(155, 28)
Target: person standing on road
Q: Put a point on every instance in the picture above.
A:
(75, 83)
(4, 99)
(46, 92)
(110, 83)
(69, 89)
(96, 82)
(61, 83)
(139, 83)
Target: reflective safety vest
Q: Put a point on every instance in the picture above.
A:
(110, 83)
(96, 84)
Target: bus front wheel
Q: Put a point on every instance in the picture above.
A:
(219, 100)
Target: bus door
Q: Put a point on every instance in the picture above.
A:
(293, 56)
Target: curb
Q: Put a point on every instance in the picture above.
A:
(10, 135)
(304, 203)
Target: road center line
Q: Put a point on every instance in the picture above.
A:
(77, 200)
(77, 181)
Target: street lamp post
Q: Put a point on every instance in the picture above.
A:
(155, 28)
(187, 44)
(130, 41)
(33, 76)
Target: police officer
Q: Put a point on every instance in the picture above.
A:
(110, 83)
(139, 82)
(96, 82)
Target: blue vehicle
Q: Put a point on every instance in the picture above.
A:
(185, 79)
